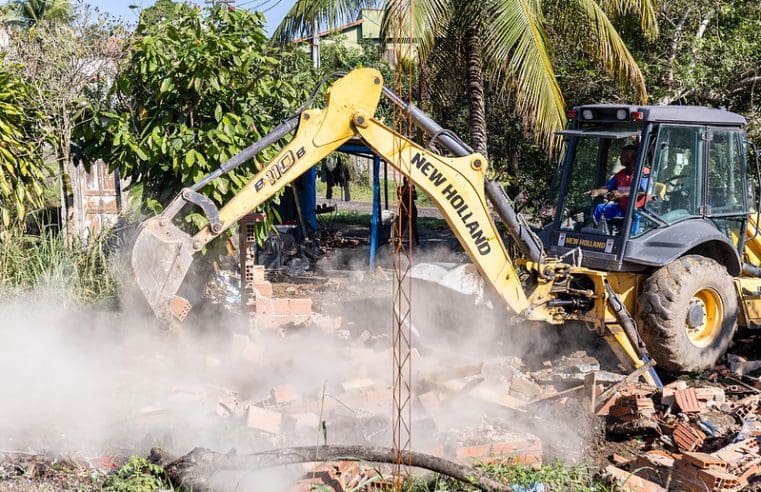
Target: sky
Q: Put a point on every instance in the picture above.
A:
(274, 10)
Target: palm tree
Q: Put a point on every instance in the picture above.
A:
(27, 13)
(503, 42)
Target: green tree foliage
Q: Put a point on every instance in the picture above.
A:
(66, 65)
(162, 10)
(502, 43)
(193, 92)
(709, 54)
(22, 172)
(28, 13)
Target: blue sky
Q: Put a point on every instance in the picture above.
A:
(274, 10)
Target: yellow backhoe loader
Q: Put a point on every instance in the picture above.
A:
(668, 274)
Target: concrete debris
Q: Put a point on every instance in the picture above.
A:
(696, 435)
(630, 482)
(344, 476)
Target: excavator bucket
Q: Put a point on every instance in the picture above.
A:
(161, 258)
(463, 279)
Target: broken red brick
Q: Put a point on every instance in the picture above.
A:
(667, 393)
(524, 449)
(263, 289)
(300, 307)
(180, 307)
(619, 460)
(284, 393)
(720, 480)
(687, 400)
(281, 307)
(704, 460)
(687, 436)
(604, 410)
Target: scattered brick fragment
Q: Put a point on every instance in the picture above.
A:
(264, 419)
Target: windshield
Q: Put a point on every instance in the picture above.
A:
(599, 182)
(688, 171)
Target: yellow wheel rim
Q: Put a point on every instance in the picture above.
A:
(705, 315)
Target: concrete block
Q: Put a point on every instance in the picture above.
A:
(264, 419)
(302, 422)
(358, 384)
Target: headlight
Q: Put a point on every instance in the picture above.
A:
(621, 114)
(587, 114)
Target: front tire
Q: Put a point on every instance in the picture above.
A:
(689, 311)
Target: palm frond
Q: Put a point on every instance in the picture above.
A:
(300, 19)
(644, 9)
(422, 20)
(516, 52)
(609, 48)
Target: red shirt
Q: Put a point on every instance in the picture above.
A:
(622, 182)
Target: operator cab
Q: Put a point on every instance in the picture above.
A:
(686, 188)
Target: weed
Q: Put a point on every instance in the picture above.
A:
(137, 475)
(75, 272)
(553, 477)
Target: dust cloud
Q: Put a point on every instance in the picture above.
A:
(97, 383)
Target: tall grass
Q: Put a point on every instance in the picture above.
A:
(73, 272)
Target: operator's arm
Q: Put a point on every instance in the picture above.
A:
(610, 186)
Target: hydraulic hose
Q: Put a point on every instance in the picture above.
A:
(519, 230)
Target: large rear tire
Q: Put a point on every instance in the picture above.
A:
(689, 311)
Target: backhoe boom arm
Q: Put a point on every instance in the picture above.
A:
(163, 253)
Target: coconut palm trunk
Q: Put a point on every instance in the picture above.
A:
(476, 99)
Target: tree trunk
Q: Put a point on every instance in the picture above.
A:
(192, 471)
(423, 87)
(316, 44)
(64, 212)
(476, 101)
(74, 220)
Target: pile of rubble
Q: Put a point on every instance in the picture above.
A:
(701, 435)
(697, 435)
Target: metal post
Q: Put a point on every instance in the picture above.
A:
(375, 222)
(385, 185)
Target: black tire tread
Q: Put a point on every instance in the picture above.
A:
(662, 313)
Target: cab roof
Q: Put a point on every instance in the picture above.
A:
(674, 114)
